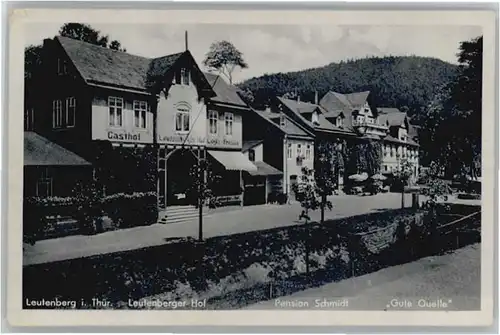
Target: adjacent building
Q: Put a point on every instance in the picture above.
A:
(262, 184)
(401, 142)
(349, 119)
(286, 146)
(51, 170)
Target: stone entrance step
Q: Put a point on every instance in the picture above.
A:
(177, 214)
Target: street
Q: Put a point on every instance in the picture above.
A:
(217, 224)
(447, 282)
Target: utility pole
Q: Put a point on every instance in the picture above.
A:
(156, 151)
(202, 184)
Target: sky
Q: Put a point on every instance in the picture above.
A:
(280, 48)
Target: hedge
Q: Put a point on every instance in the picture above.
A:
(88, 208)
(132, 209)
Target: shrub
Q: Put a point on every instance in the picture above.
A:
(88, 198)
(131, 209)
(277, 197)
(37, 212)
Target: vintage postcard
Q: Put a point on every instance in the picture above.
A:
(200, 167)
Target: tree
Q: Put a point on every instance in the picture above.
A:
(246, 96)
(205, 181)
(32, 60)
(84, 32)
(402, 174)
(78, 31)
(224, 57)
(306, 191)
(364, 156)
(452, 127)
(325, 175)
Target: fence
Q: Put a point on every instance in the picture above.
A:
(384, 245)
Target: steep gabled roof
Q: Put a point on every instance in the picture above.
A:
(358, 99)
(300, 109)
(99, 65)
(291, 128)
(299, 106)
(226, 93)
(394, 119)
(334, 102)
(39, 151)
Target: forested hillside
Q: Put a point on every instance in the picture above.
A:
(394, 81)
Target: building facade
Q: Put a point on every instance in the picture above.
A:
(349, 119)
(286, 145)
(143, 123)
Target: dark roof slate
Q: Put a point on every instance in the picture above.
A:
(39, 151)
(334, 102)
(102, 65)
(394, 119)
(301, 109)
(226, 93)
(290, 128)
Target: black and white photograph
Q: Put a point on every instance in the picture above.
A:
(305, 166)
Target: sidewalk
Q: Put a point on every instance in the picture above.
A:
(454, 278)
(235, 221)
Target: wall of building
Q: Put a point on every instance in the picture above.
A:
(221, 139)
(292, 168)
(182, 96)
(390, 163)
(101, 128)
(259, 152)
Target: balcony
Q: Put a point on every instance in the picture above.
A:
(369, 124)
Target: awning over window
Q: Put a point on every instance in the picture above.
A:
(264, 169)
(233, 160)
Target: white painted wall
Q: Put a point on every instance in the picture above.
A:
(259, 152)
(101, 130)
(292, 168)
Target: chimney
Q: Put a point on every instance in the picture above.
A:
(268, 109)
(186, 40)
(298, 97)
(316, 97)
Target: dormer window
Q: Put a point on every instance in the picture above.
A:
(251, 155)
(62, 67)
(282, 121)
(185, 77)
(339, 122)
(181, 77)
(315, 118)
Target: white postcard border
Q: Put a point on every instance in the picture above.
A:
(18, 317)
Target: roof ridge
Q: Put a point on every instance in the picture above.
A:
(300, 102)
(117, 51)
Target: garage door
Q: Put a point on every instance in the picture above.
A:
(255, 193)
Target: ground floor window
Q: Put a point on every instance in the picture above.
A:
(29, 119)
(308, 151)
(44, 184)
